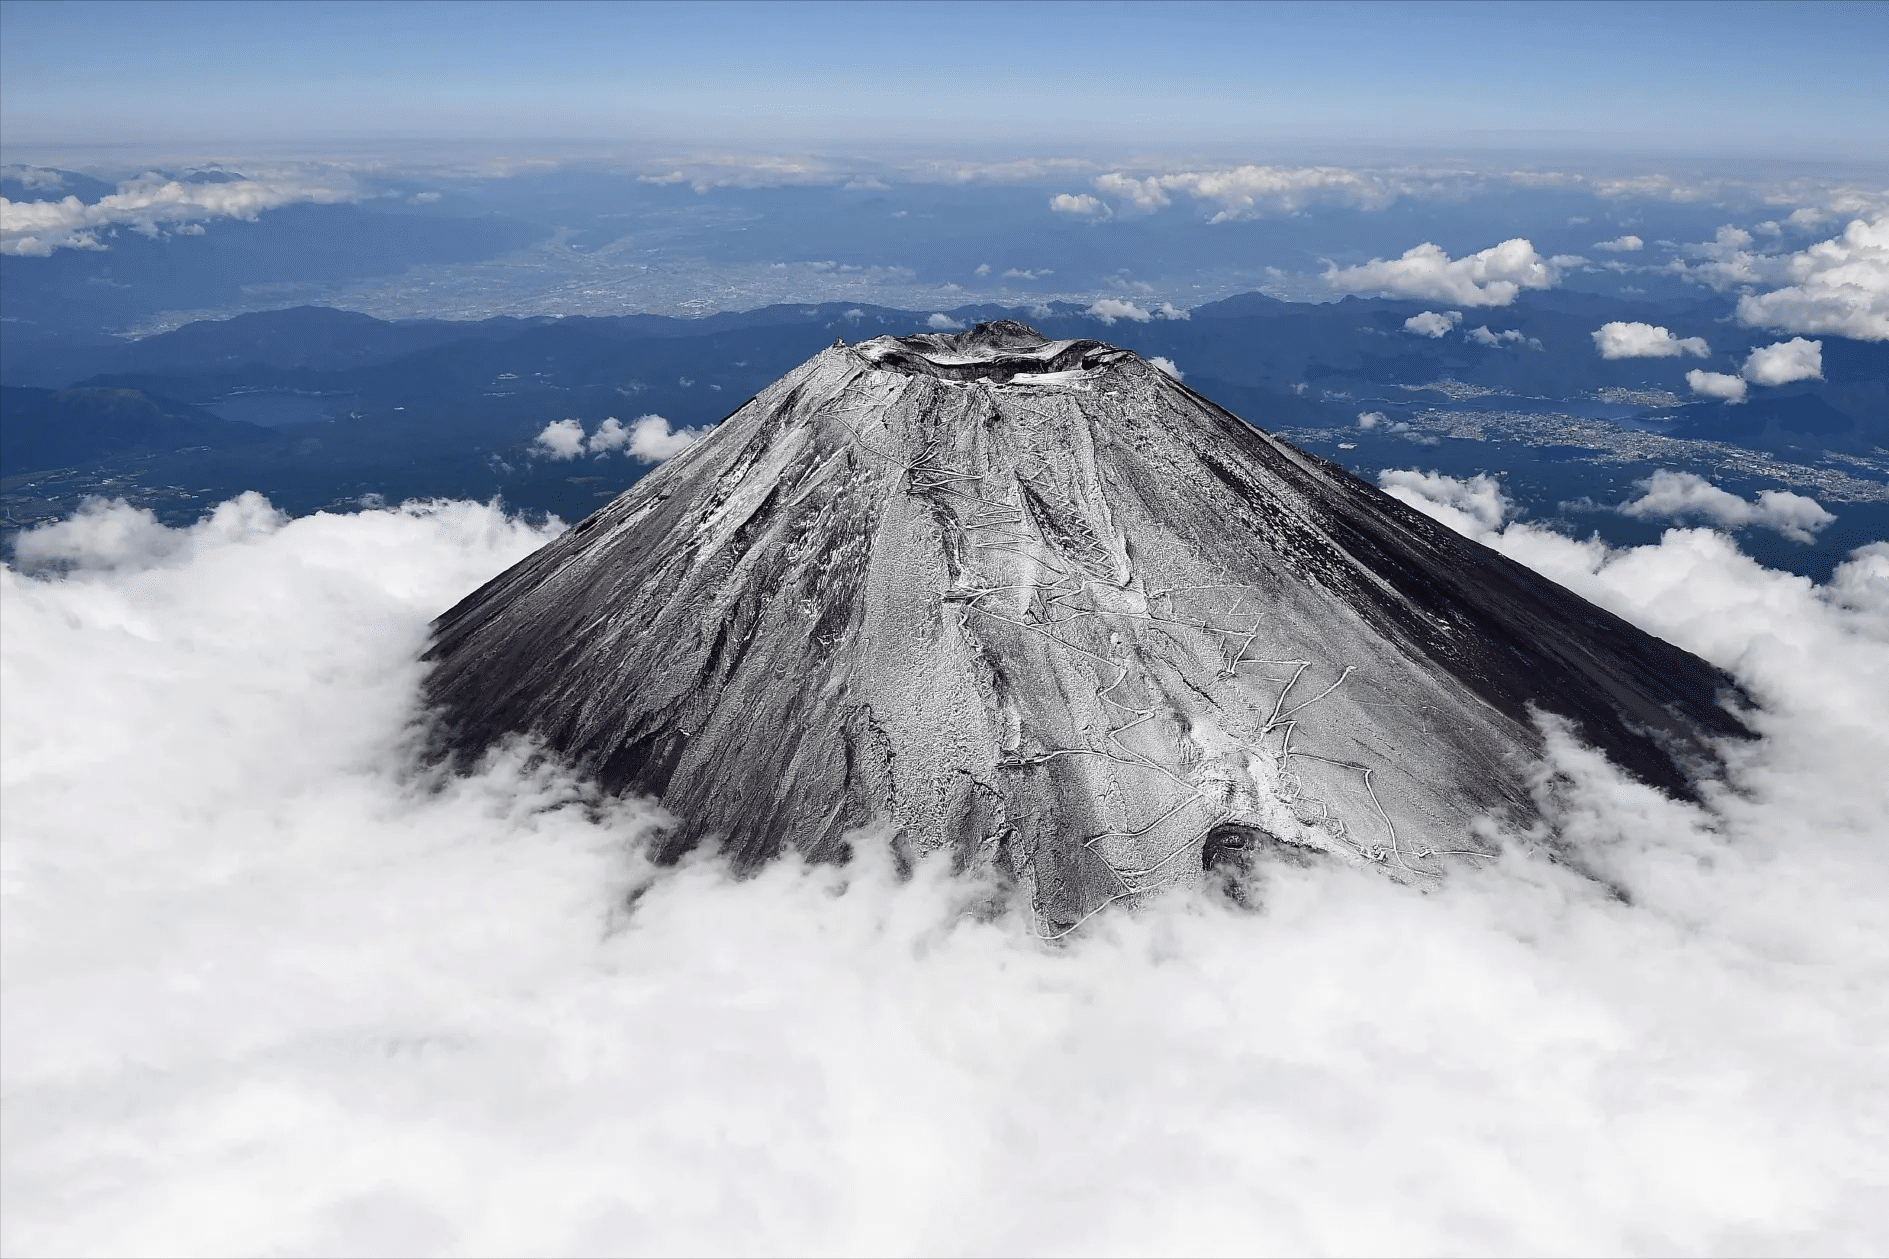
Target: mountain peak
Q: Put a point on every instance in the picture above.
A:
(998, 352)
(1036, 604)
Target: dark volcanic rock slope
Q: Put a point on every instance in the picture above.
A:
(1040, 604)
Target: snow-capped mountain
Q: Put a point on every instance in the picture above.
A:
(1042, 605)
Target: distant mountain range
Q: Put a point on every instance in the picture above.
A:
(318, 407)
(80, 293)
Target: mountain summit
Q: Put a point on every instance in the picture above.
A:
(1040, 604)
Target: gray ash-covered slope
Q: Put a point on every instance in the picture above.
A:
(1042, 605)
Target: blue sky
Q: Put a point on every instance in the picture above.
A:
(1761, 79)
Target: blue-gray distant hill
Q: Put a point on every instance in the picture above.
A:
(319, 408)
(48, 428)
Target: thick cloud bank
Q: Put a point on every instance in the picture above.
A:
(271, 989)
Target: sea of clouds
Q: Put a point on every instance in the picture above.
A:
(273, 987)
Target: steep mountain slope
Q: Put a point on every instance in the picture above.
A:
(1040, 604)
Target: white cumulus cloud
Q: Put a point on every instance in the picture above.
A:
(561, 439)
(1166, 365)
(1080, 203)
(1109, 309)
(1784, 361)
(1433, 323)
(1491, 277)
(1728, 261)
(649, 438)
(1622, 245)
(611, 435)
(1838, 286)
(652, 440)
(1716, 385)
(941, 322)
(1140, 194)
(1644, 340)
(1670, 495)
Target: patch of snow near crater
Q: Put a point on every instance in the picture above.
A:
(1071, 377)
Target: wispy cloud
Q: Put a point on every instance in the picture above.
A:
(153, 202)
(739, 170)
(1253, 190)
(1110, 309)
(1250, 191)
(1484, 336)
(36, 178)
